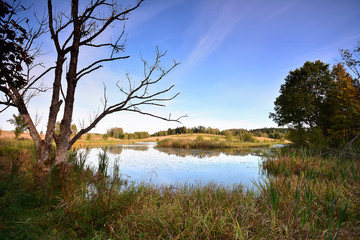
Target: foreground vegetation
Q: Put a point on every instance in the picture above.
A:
(306, 197)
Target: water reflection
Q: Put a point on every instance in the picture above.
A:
(214, 152)
(117, 149)
(200, 153)
(146, 163)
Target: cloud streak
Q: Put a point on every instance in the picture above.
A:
(280, 11)
(147, 12)
(226, 17)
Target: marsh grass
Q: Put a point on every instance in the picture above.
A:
(201, 143)
(193, 144)
(320, 191)
(305, 197)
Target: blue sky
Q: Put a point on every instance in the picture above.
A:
(234, 56)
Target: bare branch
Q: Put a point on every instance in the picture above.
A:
(7, 106)
(54, 35)
(136, 96)
(159, 117)
(114, 17)
(37, 119)
(105, 101)
(121, 47)
(90, 68)
(37, 78)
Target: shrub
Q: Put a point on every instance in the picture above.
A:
(88, 136)
(199, 138)
(248, 137)
(228, 136)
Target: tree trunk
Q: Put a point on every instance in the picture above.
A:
(62, 144)
(61, 152)
(42, 154)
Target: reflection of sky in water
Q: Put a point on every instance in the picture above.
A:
(147, 164)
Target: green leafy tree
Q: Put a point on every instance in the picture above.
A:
(116, 132)
(105, 136)
(160, 133)
(228, 135)
(180, 130)
(20, 125)
(248, 137)
(171, 131)
(301, 101)
(141, 135)
(14, 50)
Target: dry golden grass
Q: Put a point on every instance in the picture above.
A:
(185, 137)
(11, 135)
(97, 140)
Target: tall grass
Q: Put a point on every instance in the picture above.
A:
(193, 144)
(201, 143)
(306, 196)
(319, 192)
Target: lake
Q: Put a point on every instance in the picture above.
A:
(146, 163)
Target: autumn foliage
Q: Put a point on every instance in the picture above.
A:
(321, 106)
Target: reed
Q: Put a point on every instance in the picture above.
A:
(200, 143)
(306, 196)
(193, 144)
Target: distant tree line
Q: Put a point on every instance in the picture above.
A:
(241, 135)
(117, 132)
(185, 130)
(274, 133)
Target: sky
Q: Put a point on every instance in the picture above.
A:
(234, 56)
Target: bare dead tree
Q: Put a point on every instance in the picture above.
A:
(70, 33)
(351, 59)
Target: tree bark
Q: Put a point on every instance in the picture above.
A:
(62, 144)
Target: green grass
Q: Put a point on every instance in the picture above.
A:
(192, 144)
(200, 143)
(307, 196)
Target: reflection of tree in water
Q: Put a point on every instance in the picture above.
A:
(115, 149)
(180, 152)
(245, 151)
(212, 153)
(119, 148)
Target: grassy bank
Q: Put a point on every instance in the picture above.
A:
(307, 197)
(99, 143)
(200, 143)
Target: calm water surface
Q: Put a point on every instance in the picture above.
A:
(145, 163)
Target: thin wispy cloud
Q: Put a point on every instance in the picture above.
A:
(280, 11)
(148, 11)
(221, 24)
